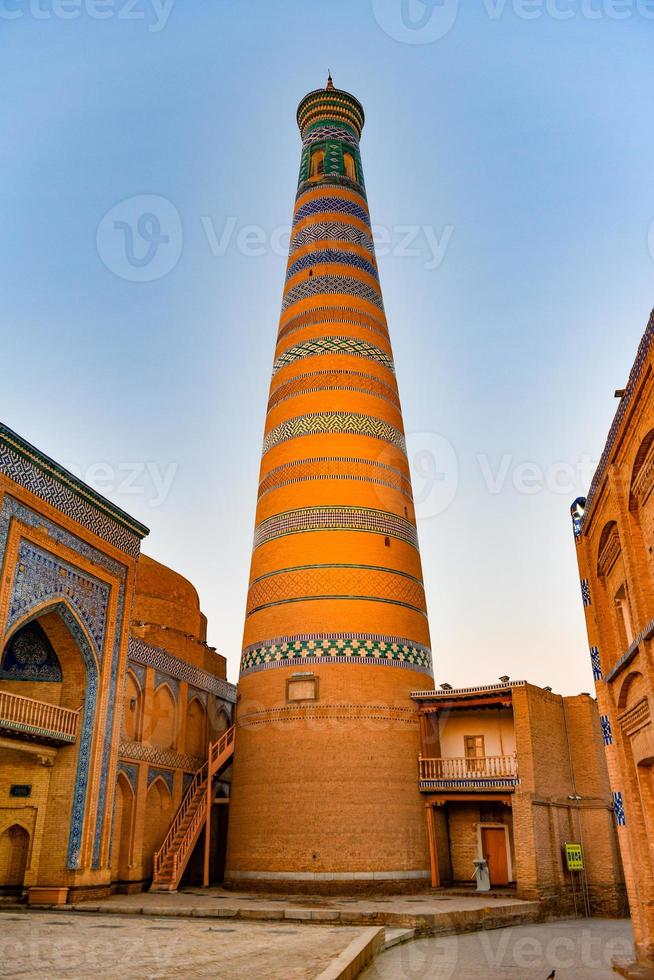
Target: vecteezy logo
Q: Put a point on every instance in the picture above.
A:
(416, 21)
(140, 239)
(434, 472)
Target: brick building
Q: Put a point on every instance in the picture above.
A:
(109, 694)
(511, 773)
(614, 539)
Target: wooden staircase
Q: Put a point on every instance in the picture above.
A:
(194, 812)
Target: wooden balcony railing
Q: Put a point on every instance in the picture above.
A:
(502, 767)
(37, 720)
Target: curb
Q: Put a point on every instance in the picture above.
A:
(355, 957)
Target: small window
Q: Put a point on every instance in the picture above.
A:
(349, 166)
(302, 687)
(317, 163)
(387, 542)
(475, 753)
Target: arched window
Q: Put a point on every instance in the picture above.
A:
(317, 163)
(196, 727)
(163, 718)
(132, 709)
(349, 166)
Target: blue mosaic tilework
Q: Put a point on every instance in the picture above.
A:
(618, 809)
(595, 663)
(331, 255)
(193, 692)
(333, 231)
(331, 205)
(138, 671)
(607, 734)
(343, 285)
(143, 653)
(63, 492)
(12, 509)
(29, 656)
(130, 773)
(322, 346)
(327, 423)
(172, 682)
(165, 774)
(40, 576)
(585, 592)
(308, 519)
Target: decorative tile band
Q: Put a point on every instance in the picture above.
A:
(585, 592)
(37, 473)
(331, 256)
(334, 380)
(328, 423)
(309, 648)
(332, 204)
(607, 734)
(143, 653)
(595, 663)
(167, 758)
(349, 346)
(366, 583)
(618, 809)
(336, 468)
(40, 575)
(343, 285)
(335, 313)
(320, 132)
(359, 519)
(331, 231)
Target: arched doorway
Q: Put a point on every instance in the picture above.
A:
(162, 722)
(121, 844)
(14, 852)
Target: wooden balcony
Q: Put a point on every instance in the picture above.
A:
(490, 772)
(38, 721)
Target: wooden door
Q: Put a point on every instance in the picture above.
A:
(493, 841)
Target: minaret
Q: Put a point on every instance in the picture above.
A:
(325, 783)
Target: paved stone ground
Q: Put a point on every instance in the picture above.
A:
(216, 898)
(579, 949)
(69, 946)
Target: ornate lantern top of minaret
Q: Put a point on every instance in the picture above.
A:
(330, 105)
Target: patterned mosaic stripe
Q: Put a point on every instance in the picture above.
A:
(334, 380)
(319, 133)
(333, 204)
(310, 648)
(328, 423)
(318, 285)
(336, 468)
(367, 583)
(319, 315)
(331, 256)
(359, 519)
(331, 231)
(350, 346)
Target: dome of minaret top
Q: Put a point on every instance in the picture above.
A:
(330, 105)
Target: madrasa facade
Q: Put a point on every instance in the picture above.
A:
(128, 761)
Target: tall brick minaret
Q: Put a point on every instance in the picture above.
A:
(336, 633)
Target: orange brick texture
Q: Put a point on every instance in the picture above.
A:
(326, 785)
(614, 543)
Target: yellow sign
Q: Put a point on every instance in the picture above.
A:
(574, 857)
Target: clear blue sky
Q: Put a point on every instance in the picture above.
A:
(526, 142)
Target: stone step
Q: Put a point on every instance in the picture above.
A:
(393, 937)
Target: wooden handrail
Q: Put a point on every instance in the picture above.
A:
(198, 792)
(199, 778)
(464, 767)
(30, 715)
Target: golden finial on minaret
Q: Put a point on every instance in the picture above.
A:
(330, 83)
